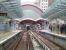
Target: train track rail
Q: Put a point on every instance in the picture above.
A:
(25, 43)
(36, 44)
(45, 42)
(27, 40)
(61, 47)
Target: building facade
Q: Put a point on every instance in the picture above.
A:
(43, 4)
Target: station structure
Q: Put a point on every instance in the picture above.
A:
(27, 27)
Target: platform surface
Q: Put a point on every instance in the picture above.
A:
(4, 36)
(56, 34)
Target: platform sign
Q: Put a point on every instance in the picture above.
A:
(3, 14)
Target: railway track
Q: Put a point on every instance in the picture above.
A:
(60, 46)
(25, 43)
(35, 43)
(45, 42)
(28, 40)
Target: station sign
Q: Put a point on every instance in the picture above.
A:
(3, 14)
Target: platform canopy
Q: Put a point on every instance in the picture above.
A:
(11, 7)
(30, 14)
(56, 10)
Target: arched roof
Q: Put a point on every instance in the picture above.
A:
(31, 21)
(30, 14)
(56, 10)
(32, 7)
(28, 21)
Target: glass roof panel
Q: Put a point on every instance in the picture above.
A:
(30, 14)
(57, 6)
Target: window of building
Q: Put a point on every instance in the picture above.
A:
(43, 9)
(46, 0)
(42, 3)
(46, 4)
(42, 6)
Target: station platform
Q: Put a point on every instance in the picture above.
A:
(53, 33)
(4, 36)
(59, 39)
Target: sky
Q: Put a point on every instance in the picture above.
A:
(27, 1)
